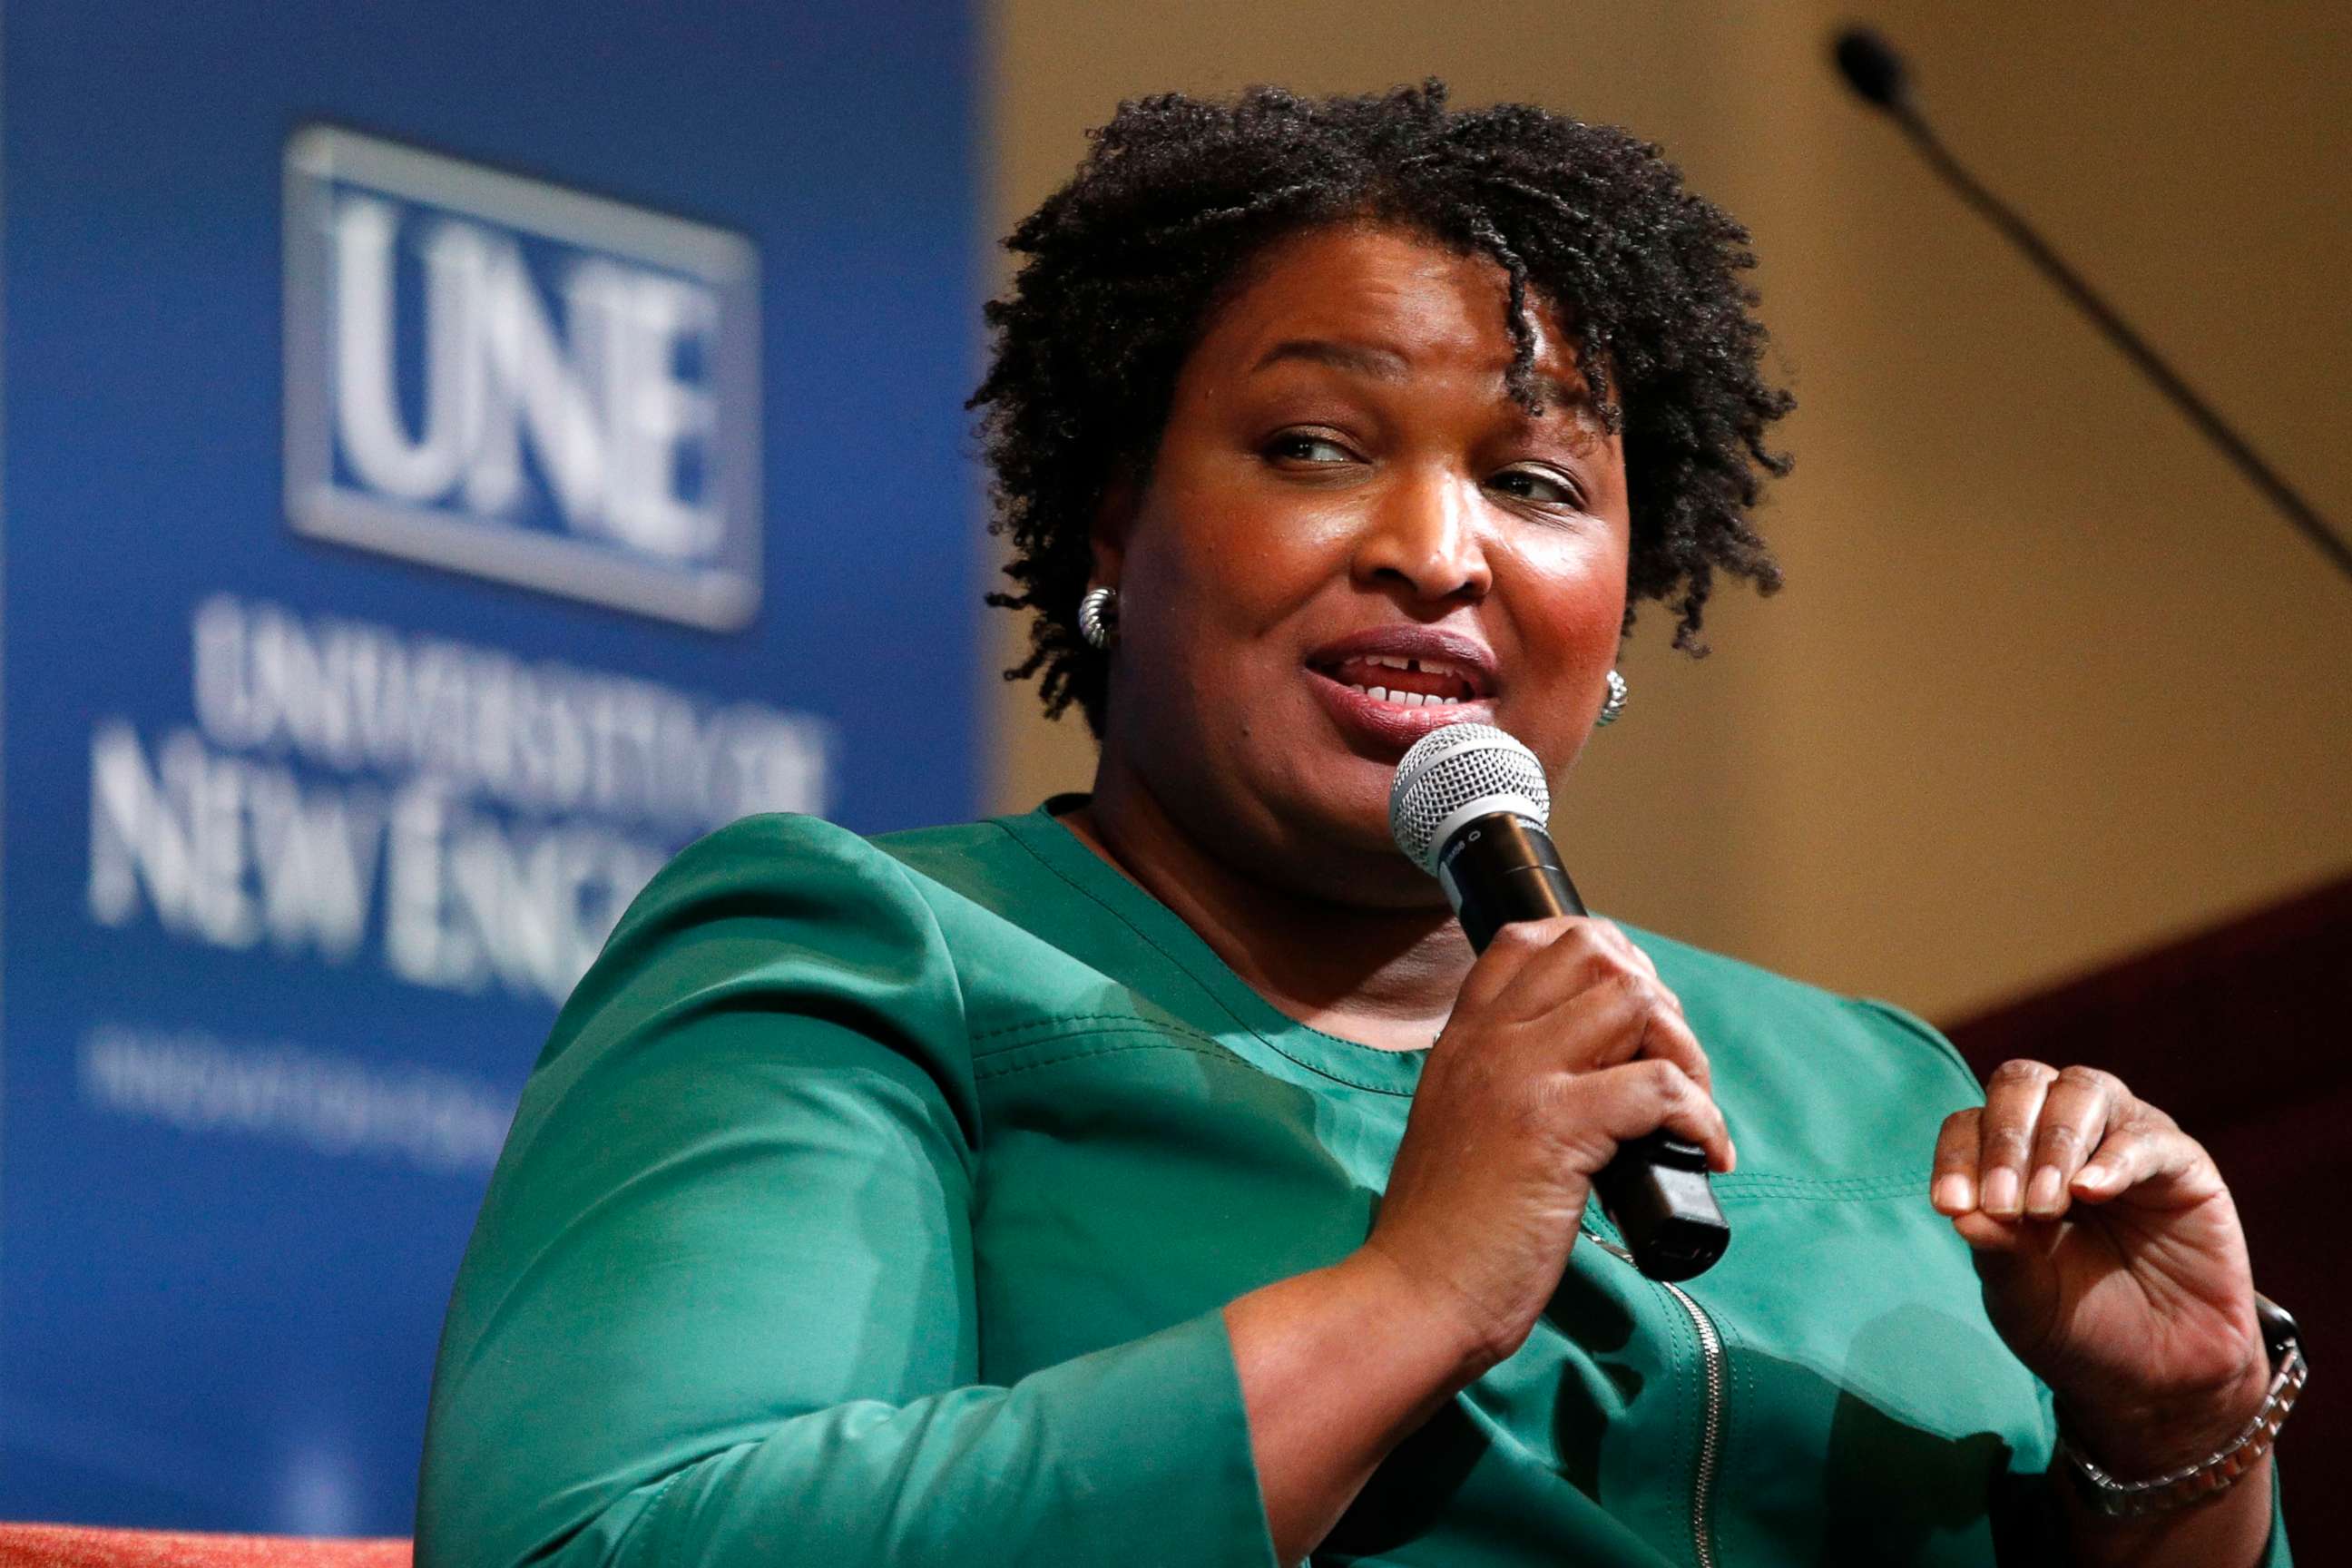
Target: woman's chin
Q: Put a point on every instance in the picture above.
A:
(1334, 841)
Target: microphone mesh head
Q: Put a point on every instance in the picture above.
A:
(1448, 772)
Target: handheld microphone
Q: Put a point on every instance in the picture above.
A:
(1470, 806)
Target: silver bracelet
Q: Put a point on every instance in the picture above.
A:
(2219, 1470)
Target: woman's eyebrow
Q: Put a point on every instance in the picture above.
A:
(1386, 364)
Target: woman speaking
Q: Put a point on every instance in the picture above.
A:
(1161, 1178)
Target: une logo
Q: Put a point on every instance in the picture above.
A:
(507, 378)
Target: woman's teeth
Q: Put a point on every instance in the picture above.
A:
(1417, 683)
(1409, 699)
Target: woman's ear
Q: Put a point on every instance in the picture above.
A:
(1114, 517)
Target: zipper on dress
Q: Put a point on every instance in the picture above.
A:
(1710, 1438)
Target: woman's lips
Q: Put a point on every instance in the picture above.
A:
(1410, 681)
(1392, 719)
(1430, 659)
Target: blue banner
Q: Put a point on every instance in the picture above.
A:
(454, 455)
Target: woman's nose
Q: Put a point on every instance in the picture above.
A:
(1423, 537)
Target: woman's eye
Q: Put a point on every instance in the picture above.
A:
(1536, 485)
(1299, 447)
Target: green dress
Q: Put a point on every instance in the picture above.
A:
(875, 1202)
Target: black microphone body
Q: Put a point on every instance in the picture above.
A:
(1501, 868)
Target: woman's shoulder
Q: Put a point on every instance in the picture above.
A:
(770, 851)
(972, 906)
(792, 860)
(778, 887)
(778, 850)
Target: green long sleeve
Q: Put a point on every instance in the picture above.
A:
(719, 1307)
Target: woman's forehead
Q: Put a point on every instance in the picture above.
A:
(1377, 299)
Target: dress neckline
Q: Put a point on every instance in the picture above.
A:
(1343, 1060)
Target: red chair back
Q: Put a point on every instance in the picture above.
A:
(79, 1546)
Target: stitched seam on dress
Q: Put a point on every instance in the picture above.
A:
(1156, 1043)
(657, 1519)
(1777, 1178)
(905, 875)
(1689, 1390)
(1066, 1024)
(1126, 1023)
(1053, 1021)
(1801, 1189)
(1203, 986)
(1743, 1379)
(1680, 1331)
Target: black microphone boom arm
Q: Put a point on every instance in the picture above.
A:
(1875, 73)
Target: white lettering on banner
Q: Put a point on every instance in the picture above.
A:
(228, 851)
(330, 1102)
(349, 695)
(588, 421)
(470, 901)
(500, 815)
(610, 423)
(367, 402)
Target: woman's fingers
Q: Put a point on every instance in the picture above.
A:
(1615, 1019)
(1578, 984)
(1531, 966)
(2075, 1116)
(1513, 947)
(2013, 1100)
(2045, 1140)
(1952, 1186)
(2018, 1155)
(2150, 1161)
(1955, 1185)
(1614, 936)
(1636, 1099)
(1574, 997)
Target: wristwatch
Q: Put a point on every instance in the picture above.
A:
(2219, 1470)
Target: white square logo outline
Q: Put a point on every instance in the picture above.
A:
(722, 595)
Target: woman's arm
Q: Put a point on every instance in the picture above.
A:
(720, 1308)
(1338, 1366)
(2114, 1265)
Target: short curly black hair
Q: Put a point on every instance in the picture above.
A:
(1126, 261)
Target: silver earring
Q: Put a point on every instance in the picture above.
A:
(1616, 703)
(1098, 618)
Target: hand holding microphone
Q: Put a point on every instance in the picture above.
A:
(1565, 1058)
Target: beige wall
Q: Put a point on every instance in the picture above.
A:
(2048, 682)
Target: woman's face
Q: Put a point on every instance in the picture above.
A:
(1351, 535)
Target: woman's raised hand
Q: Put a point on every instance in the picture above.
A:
(1563, 1044)
(2112, 1261)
